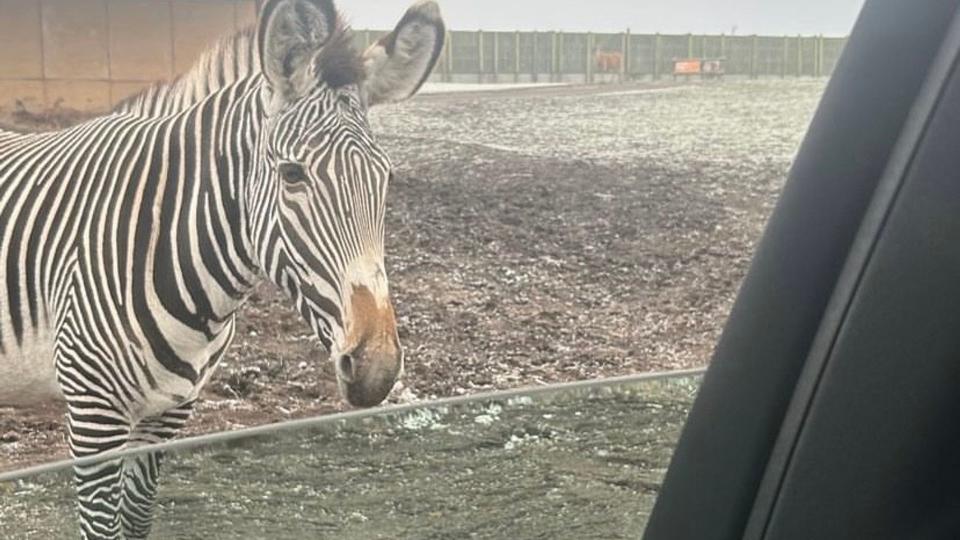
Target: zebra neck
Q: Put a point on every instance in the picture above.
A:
(217, 140)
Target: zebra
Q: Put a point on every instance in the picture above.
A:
(128, 242)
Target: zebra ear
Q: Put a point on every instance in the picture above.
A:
(289, 35)
(399, 63)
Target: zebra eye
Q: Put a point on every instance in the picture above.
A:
(293, 173)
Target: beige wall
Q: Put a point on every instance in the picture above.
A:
(89, 54)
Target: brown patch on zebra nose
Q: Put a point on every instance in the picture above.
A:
(372, 357)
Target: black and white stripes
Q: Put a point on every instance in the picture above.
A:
(127, 243)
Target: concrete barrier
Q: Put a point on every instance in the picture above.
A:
(90, 54)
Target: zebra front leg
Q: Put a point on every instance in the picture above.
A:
(94, 428)
(141, 473)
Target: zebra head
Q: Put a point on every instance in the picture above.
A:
(317, 199)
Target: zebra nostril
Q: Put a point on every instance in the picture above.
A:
(345, 366)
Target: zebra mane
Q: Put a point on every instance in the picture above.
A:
(231, 59)
(234, 58)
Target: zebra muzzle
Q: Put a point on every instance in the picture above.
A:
(369, 365)
(366, 377)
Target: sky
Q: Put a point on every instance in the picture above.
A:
(769, 17)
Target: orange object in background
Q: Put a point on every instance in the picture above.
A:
(689, 66)
(609, 61)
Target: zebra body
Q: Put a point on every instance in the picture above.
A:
(127, 243)
(93, 262)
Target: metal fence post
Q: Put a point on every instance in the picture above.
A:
(656, 56)
(480, 63)
(820, 56)
(723, 45)
(534, 68)
(554, 64)
(496, 57)
(799, 56)
(449, 53)
(816, 56)
(560, 57)
(589, 58)
(689, 45)
(624, 54)
(441, 69)
(786, 57)
(753, 57)
(516, 56)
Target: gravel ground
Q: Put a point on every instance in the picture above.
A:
(534, 236)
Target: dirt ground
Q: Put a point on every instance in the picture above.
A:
(534, 236)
